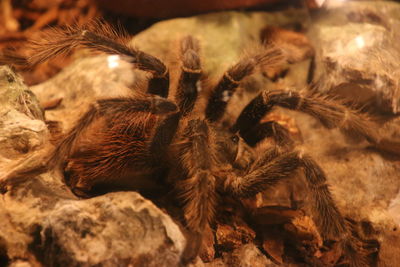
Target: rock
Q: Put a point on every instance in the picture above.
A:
(115, 229)
(43, 223)
(357, 53)
(364, 182)
(248, 256)
(84, 81)
(22, 128)
(223, 36)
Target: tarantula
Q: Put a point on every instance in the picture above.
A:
(150, 132)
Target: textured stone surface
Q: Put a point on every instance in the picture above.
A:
(21, 119)
(44, 224)
(358, 51)
(79, 84)
(248, 256)
(223, 36)
(112, 230)
(42, 221)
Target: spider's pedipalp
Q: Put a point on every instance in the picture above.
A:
(223, 91)
(331, 113)
(187, 91)
(272, 129)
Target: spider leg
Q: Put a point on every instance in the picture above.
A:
(188, 86)
(123, 107)
(197, 189)
(331, 113)
(186, 96)
(230, 80)
(272, 129)
(98, 36)
(275, 166)
(164, 133)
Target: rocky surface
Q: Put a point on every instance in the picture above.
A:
(223, 36)
(43, 218)
(357, 52)
(81, 83)
(22, 128)
(44, 224)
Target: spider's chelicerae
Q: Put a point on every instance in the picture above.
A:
(152, 133)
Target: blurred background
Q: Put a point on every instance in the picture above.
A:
(21, 19)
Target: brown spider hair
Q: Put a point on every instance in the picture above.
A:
(137, 136)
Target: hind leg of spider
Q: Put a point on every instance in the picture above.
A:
(275, 166)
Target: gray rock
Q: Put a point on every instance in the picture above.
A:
(357, 52)
(22, 128)
(248, 256)
(56, 229)
(117, 229)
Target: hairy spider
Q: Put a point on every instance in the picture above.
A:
(148, 133)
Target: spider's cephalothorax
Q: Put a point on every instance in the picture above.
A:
(133, 137)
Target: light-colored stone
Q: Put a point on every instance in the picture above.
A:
(248, 256)
(22, 128)
(87, 79)
(357, 52)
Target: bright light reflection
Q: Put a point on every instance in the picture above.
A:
(331, 3)
(113, 61)
(360, 41)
